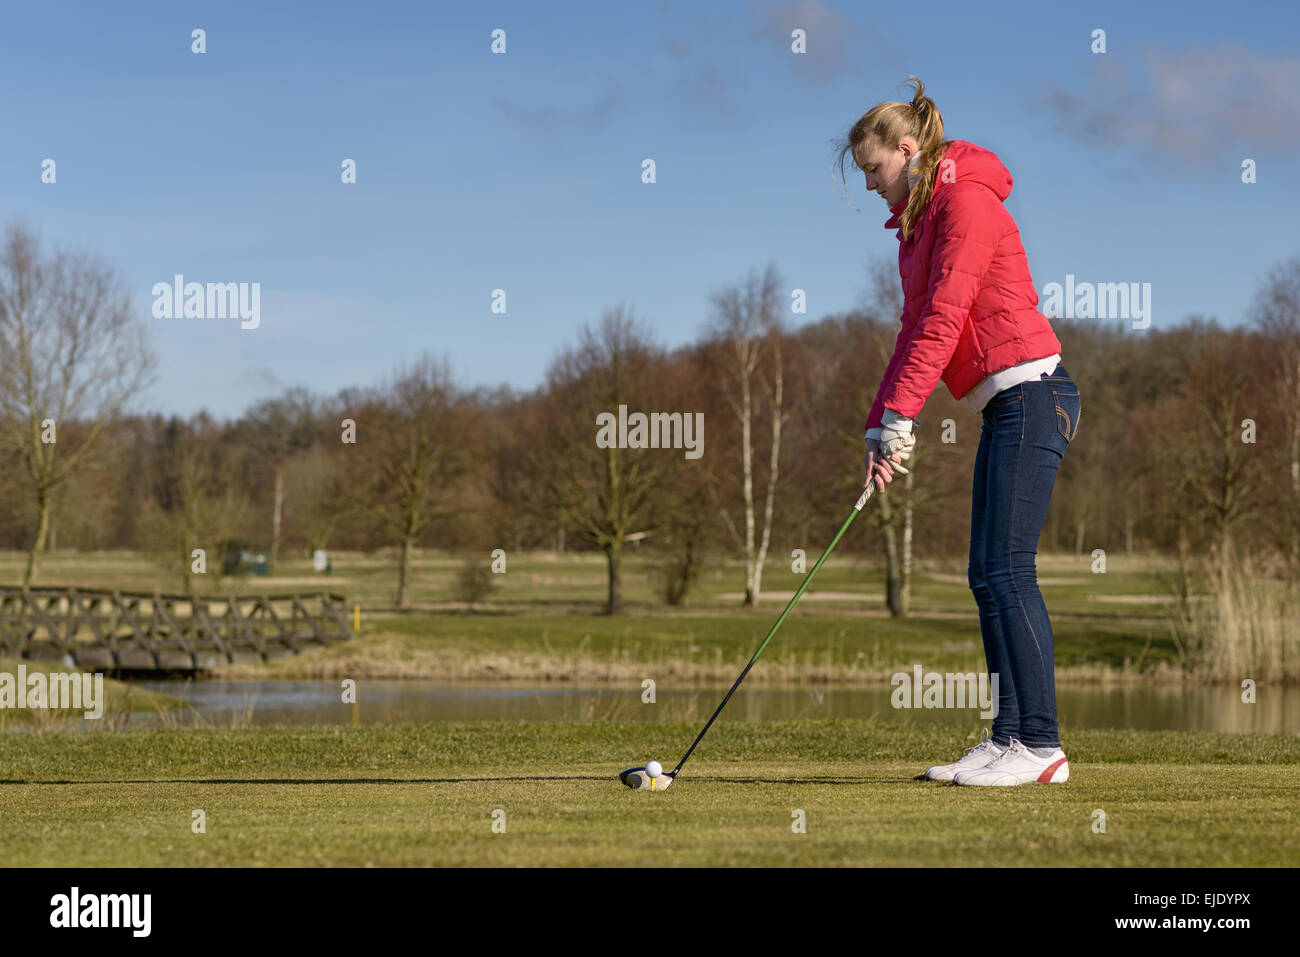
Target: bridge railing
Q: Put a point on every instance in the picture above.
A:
(127, 630)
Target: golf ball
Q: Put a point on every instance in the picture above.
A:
(654, 768)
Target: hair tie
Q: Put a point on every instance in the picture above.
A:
(919, 107)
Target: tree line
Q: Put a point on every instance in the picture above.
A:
(1189, 439)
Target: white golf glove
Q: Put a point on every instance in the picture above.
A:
(873, 449)
(896, 438)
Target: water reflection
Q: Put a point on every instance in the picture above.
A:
(313, 702)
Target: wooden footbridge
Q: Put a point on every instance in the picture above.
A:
(134, 631)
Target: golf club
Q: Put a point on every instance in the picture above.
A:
(636, 778)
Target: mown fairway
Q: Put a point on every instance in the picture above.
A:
(538, 581)
(425, 795)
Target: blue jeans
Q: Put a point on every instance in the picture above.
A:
(1027, 429)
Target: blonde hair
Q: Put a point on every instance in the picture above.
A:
(888, 123)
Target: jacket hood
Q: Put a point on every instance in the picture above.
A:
(970, 164)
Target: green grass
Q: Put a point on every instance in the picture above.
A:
(425, 795)
(541, 580)
(706, 648)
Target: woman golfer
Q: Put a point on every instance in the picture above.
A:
(970, 319)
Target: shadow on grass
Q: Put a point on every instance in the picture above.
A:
(612, 779)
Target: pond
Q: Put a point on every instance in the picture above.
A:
(320, 702)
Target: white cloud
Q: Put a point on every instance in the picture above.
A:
(1190, 106)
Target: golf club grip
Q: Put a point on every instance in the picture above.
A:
(866, 494)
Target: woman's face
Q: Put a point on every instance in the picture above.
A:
(886, 169)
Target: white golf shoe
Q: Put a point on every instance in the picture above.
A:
(974, 758)
(1016, 765)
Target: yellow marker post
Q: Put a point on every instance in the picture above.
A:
(356, 619)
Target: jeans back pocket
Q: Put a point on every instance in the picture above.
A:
(1067, 413)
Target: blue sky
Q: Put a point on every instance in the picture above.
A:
(522, 171)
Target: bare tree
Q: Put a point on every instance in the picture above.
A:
(412, 453)
(747, 329)
(1277, 312)
(278, 430)
(317, 489)
(884, 294)
(603, 492)
(1210, 467)
(683, 518)
(70, 351)
(198, 500)
(895, 512)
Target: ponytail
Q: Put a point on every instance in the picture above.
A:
(889, 123)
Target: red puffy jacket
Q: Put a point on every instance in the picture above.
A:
(969, 304)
